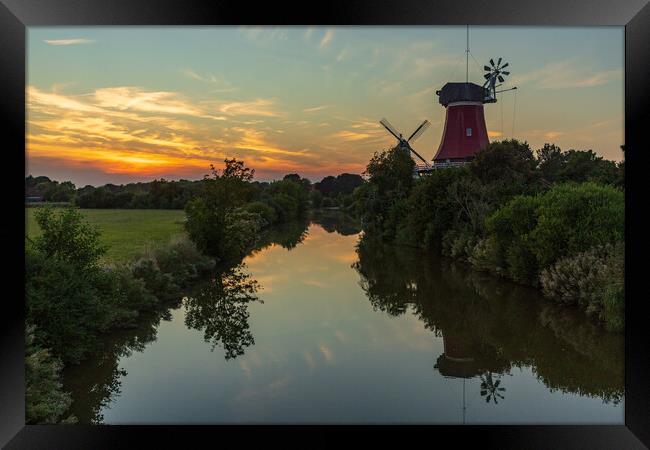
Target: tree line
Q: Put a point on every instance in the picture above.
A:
(552, 219)
(331, 191)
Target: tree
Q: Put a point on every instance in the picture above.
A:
(582, 166)
(69, 297)
(391, 172)
(390, 182)
(507, 168)
(67, 237)
(344, 183)
(550, 160)
(432, 211)
(304, 182)
(207, 214)
(620, 181)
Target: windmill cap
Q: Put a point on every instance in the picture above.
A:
(461, 92)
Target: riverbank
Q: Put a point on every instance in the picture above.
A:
(554, 222)
(291, 334)
(77, 292)
(75, 296)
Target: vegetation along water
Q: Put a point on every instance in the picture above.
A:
(414, 292)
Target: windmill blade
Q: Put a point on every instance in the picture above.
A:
(487, 68)
(505, 65)
(487, 76)
(499, 62)
(492, 62)
(390, 128)
(418, 132)
(505, 73)
(501, 79)
(418, 155)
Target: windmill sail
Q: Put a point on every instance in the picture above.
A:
(405, 143)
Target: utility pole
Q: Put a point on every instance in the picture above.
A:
(464, 407)
(467, 58)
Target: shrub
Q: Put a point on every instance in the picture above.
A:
(459, 244)
(182, 260)
(131, 292)
(485, 256)
(45, 401)
(593, 280)
(160, 284)
(285, 206)
(533, 232)
(521, 262)
(509, 226)
(573, 218)
(264, 210)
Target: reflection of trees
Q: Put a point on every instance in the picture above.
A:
(96, 382)
(218, 306)
(490, 325)
(336, 221)
(288, 235)
(220, 309)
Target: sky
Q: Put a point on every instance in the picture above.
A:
(124, 104)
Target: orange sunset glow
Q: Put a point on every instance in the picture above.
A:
(111, 104)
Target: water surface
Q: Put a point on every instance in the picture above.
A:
(314, 327)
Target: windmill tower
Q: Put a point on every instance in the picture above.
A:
(465, 132)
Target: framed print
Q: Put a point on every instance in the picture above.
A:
(375, 214)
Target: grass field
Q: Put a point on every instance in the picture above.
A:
(126, 231)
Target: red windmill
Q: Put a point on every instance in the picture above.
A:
(465, 132)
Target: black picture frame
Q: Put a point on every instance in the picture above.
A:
(634, 15)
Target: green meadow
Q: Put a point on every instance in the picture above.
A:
(126, 232)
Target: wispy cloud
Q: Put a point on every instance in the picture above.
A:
(68, 41)
(343, 55)
(566, 74)
(257, 107)
(256, 140)
(264, 34)
(327, 353)
(136, 99)
(316, 108)
(351, 135)
(222, 84)
(385, 87)
(327, 38)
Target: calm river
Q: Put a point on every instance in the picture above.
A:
(315, 328)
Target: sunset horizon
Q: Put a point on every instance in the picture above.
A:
(133, 104)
